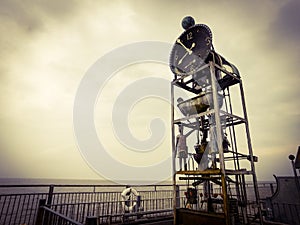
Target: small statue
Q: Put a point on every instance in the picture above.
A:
(226, 144)
(181, 147)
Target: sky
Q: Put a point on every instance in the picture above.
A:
(47, 47)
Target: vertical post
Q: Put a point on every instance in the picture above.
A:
(177, 196)
(156, 200)
(91, 220)
(219, 140)
(173, 131)
(138, 203)
(250, 151)
(173, 153)
(272, 189)
(50, 194)
(174, 199)
(47, 218)
(292, 157)
(297, 161)
(217, 116)
(109, 219)
(40, 212)
(244, 196)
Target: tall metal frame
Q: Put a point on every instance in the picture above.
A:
(232, 168)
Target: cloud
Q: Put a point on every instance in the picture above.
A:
(30, 15)
(287, 22)
(285, 32)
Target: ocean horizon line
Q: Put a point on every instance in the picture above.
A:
(78, 181)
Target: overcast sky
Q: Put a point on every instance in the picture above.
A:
(46, 48)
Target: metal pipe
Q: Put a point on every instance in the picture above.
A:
(173, 152)
(250, 151)
(219, 140)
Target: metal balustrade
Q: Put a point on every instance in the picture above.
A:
(19, 203)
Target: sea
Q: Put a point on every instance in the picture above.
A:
(35, 181)
(37, 185)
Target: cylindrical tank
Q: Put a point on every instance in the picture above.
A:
(198, 104)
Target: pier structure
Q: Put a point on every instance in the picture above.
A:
(211, 142)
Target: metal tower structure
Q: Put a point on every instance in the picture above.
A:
(212, 152)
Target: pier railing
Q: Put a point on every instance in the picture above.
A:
(16, 209)
(47, 216)
(19, 203)
(112, 212)
(284, 213)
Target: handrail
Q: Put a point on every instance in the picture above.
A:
(61, 216)
(99, 185)
(140, 213)
(81, 185)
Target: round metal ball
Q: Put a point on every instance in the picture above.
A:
(291, 157)
(187, 22)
